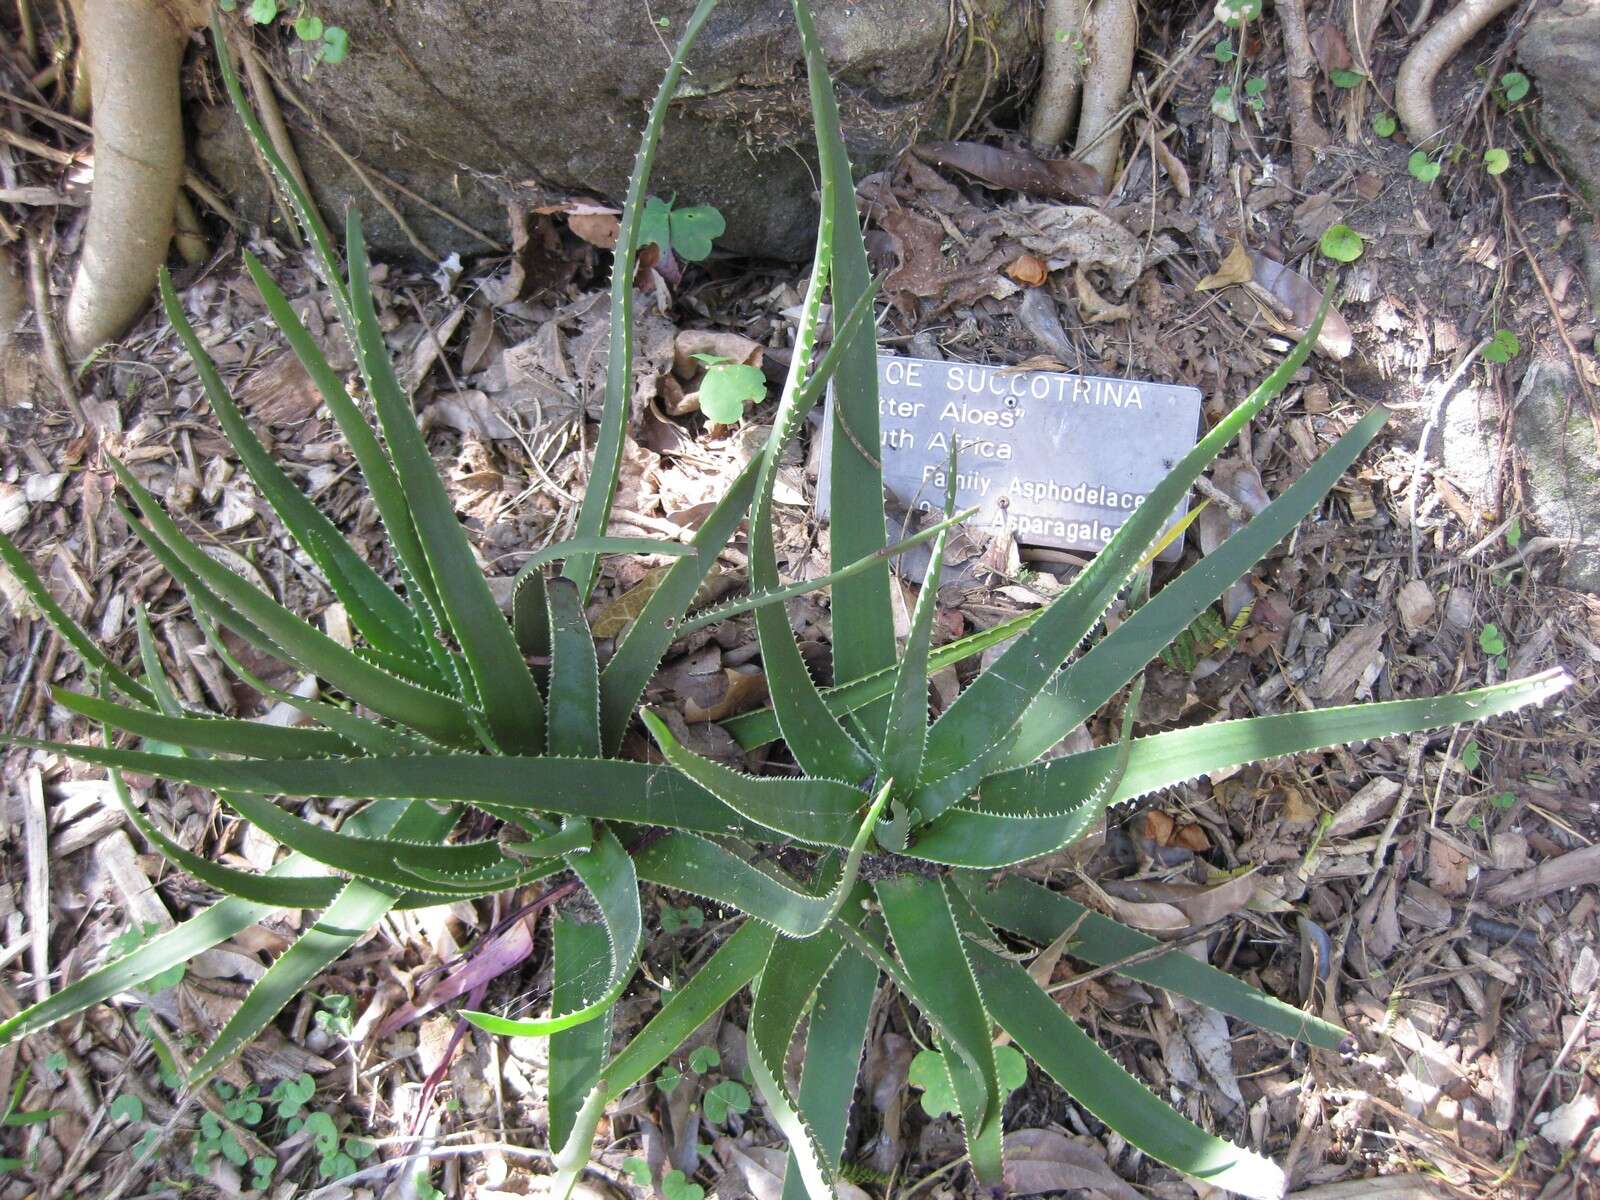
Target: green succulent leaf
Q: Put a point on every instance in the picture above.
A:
(935, 953)
(608, 872)
(594, 514)
(582, 964)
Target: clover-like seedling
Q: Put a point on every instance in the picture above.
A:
(1342, 244)
(1496, 160)
(1384, 124)
(675, 1185)
(126, 1108)
(929, 1073)
(1503, 347)
(686, 232)
(637, 1170)
(1344, 77)
(728, 387)
(1514, 86)
(1423, 168)
(334, 1015)
(1491, 640)
(726, 1098)
(703, 1059)
(292, 1095)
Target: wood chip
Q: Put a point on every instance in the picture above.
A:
(1366, 806)
(1416, 605)
(1577, 868)
(1348, 661)
(37, 843)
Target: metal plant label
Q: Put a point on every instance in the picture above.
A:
(1057, 460)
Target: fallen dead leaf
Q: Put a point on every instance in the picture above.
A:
(1235, 268)
(1042, 1160)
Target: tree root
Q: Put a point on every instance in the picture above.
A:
(1109, 32)
(1306, 135)
(133, 52)
(1413, 88)
(1062, 76)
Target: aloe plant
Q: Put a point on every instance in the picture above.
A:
(438, 715)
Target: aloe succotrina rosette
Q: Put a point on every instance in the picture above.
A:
(448, 717)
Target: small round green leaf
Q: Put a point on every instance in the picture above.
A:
(694, 229)
(335, 44)
(1504, 800)
(1495, 160)
(703, 1059)
(1343, 77)
(1384, 125)
(1471, 756)
(308, 28)
(638, 1170)
(126, 1107)
(1502, 348)
(728, 1097)
(263, 12)
(1514, 86)
(1223, 51)
(1342, 244)
(1222, 104)
(675, 1185)
(1491, 640)
(727, 388)
(1422, 167)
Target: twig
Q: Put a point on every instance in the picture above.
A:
(1305, 134)
(37, 838)
(1223, 501)
(342, 1186)
(26, 675)
(55, 358)
(1419, 743)
(1421, 457)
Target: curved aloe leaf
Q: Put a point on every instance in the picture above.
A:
(1024, 813)
(735, 964)
(967, 738)
(1033, 911)
(783, 992)
(863, 627)
(1094, 1079)
(818, 811)
(69, 630)
(608, 872)
(595, 513)
(217, 735)
(510, 700)
(601, 789)
(935, 955)
(819, 743)
(374, 607)
(699, 866)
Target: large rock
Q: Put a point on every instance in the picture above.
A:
(1561, 50)
(1561, 467)
(474, 102)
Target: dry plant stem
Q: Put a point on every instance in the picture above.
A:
(134, 52)
(189, 238)
(1419, 743)
(1413, 87)
(1421, 457)
(1109, 33)
(1579, 1029)
(1306, 135)
(13, 296)
(55, 360)
(1061, 77)
(267, 105)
